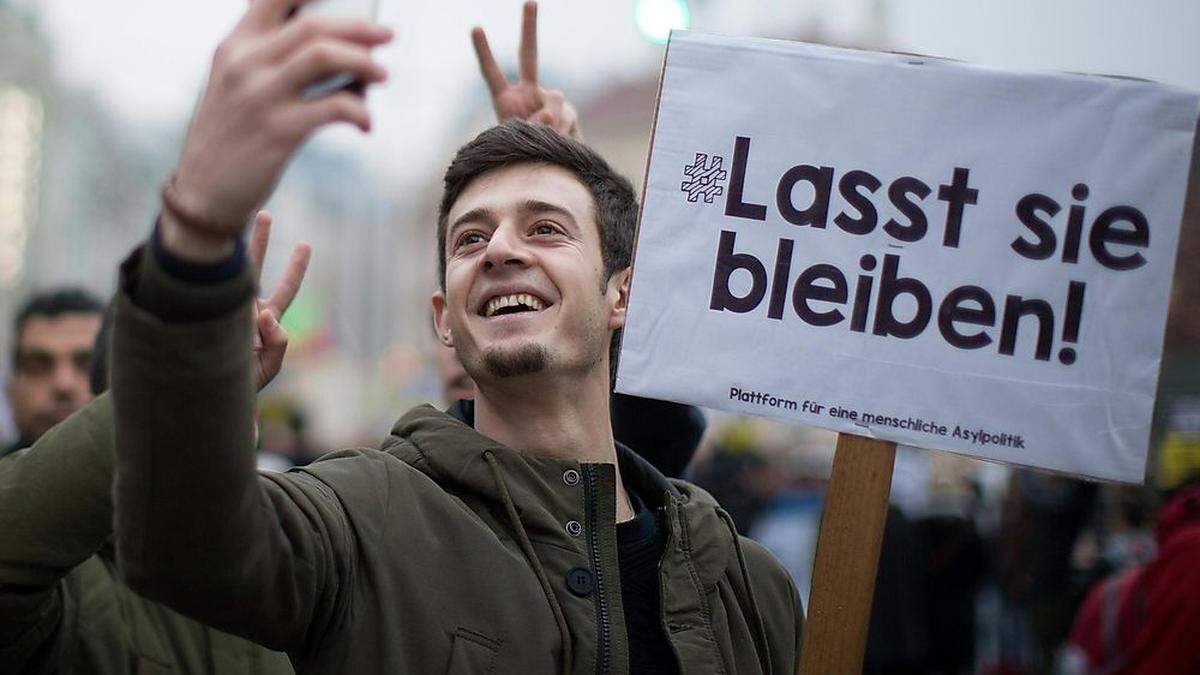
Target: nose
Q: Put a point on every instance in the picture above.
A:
(507, 248)
(68, 381)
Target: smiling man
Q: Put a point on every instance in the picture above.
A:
(514, 537)
(534, 264)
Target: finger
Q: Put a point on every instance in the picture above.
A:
(293, 278)
(568, 120)
(554, 101)
(544, 117)
(273, 345)
(309, 29)
(259, 322)
(492, 75)
(274, 336)
(528, 51)
(565, 119)
(570, 123)
(343, 106)
(259, 238)
(325, 57)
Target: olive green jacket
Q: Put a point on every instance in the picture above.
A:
(440, 551)
(63, 608)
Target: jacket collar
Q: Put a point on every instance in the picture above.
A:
(640, 476)
(445, 447)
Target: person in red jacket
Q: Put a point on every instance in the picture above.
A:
(1146, 619)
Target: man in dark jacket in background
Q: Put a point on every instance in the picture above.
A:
(527, 541)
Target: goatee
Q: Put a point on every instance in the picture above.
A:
(525, 360)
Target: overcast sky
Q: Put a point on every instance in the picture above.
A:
(147, 58)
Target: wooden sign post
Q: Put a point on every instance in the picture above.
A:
(843, 583)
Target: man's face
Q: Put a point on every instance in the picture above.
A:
(50, 376)
(525, 286)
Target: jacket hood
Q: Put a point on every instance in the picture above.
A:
(444, 446)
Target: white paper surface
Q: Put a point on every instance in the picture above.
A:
(895, 116)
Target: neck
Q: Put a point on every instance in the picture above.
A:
(566, 418)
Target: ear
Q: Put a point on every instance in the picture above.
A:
(618, 295)
(440, 324)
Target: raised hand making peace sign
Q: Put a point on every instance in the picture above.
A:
(525, 99)
(270, 339)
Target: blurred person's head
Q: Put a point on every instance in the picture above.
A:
(53, 337)
(535, 236)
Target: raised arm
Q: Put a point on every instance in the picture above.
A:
(197, 528)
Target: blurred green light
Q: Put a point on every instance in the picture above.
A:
(303, 319)
(657, 18)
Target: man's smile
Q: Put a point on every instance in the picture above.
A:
(511, 301)
(512, 304)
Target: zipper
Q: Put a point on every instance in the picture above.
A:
(603, 630)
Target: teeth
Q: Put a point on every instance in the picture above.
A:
(502, 301)
(531, 301)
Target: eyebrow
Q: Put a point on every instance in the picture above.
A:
(472, 216)
(43, 353)
(538, 206)
(34, 351)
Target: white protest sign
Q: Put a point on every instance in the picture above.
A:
(928, 252)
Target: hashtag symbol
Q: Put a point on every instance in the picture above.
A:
(704, 178)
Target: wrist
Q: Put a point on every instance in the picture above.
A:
(189, 235)
(190, 244)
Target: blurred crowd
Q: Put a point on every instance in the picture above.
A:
(987, 568)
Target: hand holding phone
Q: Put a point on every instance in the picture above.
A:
(253, 115)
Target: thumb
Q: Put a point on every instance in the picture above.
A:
(273, 334)
(262, 327)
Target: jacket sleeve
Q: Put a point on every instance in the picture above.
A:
(780, 604)
(198, 529)
(55, 512)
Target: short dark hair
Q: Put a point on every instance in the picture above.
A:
(516, 142)
(52, 303)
